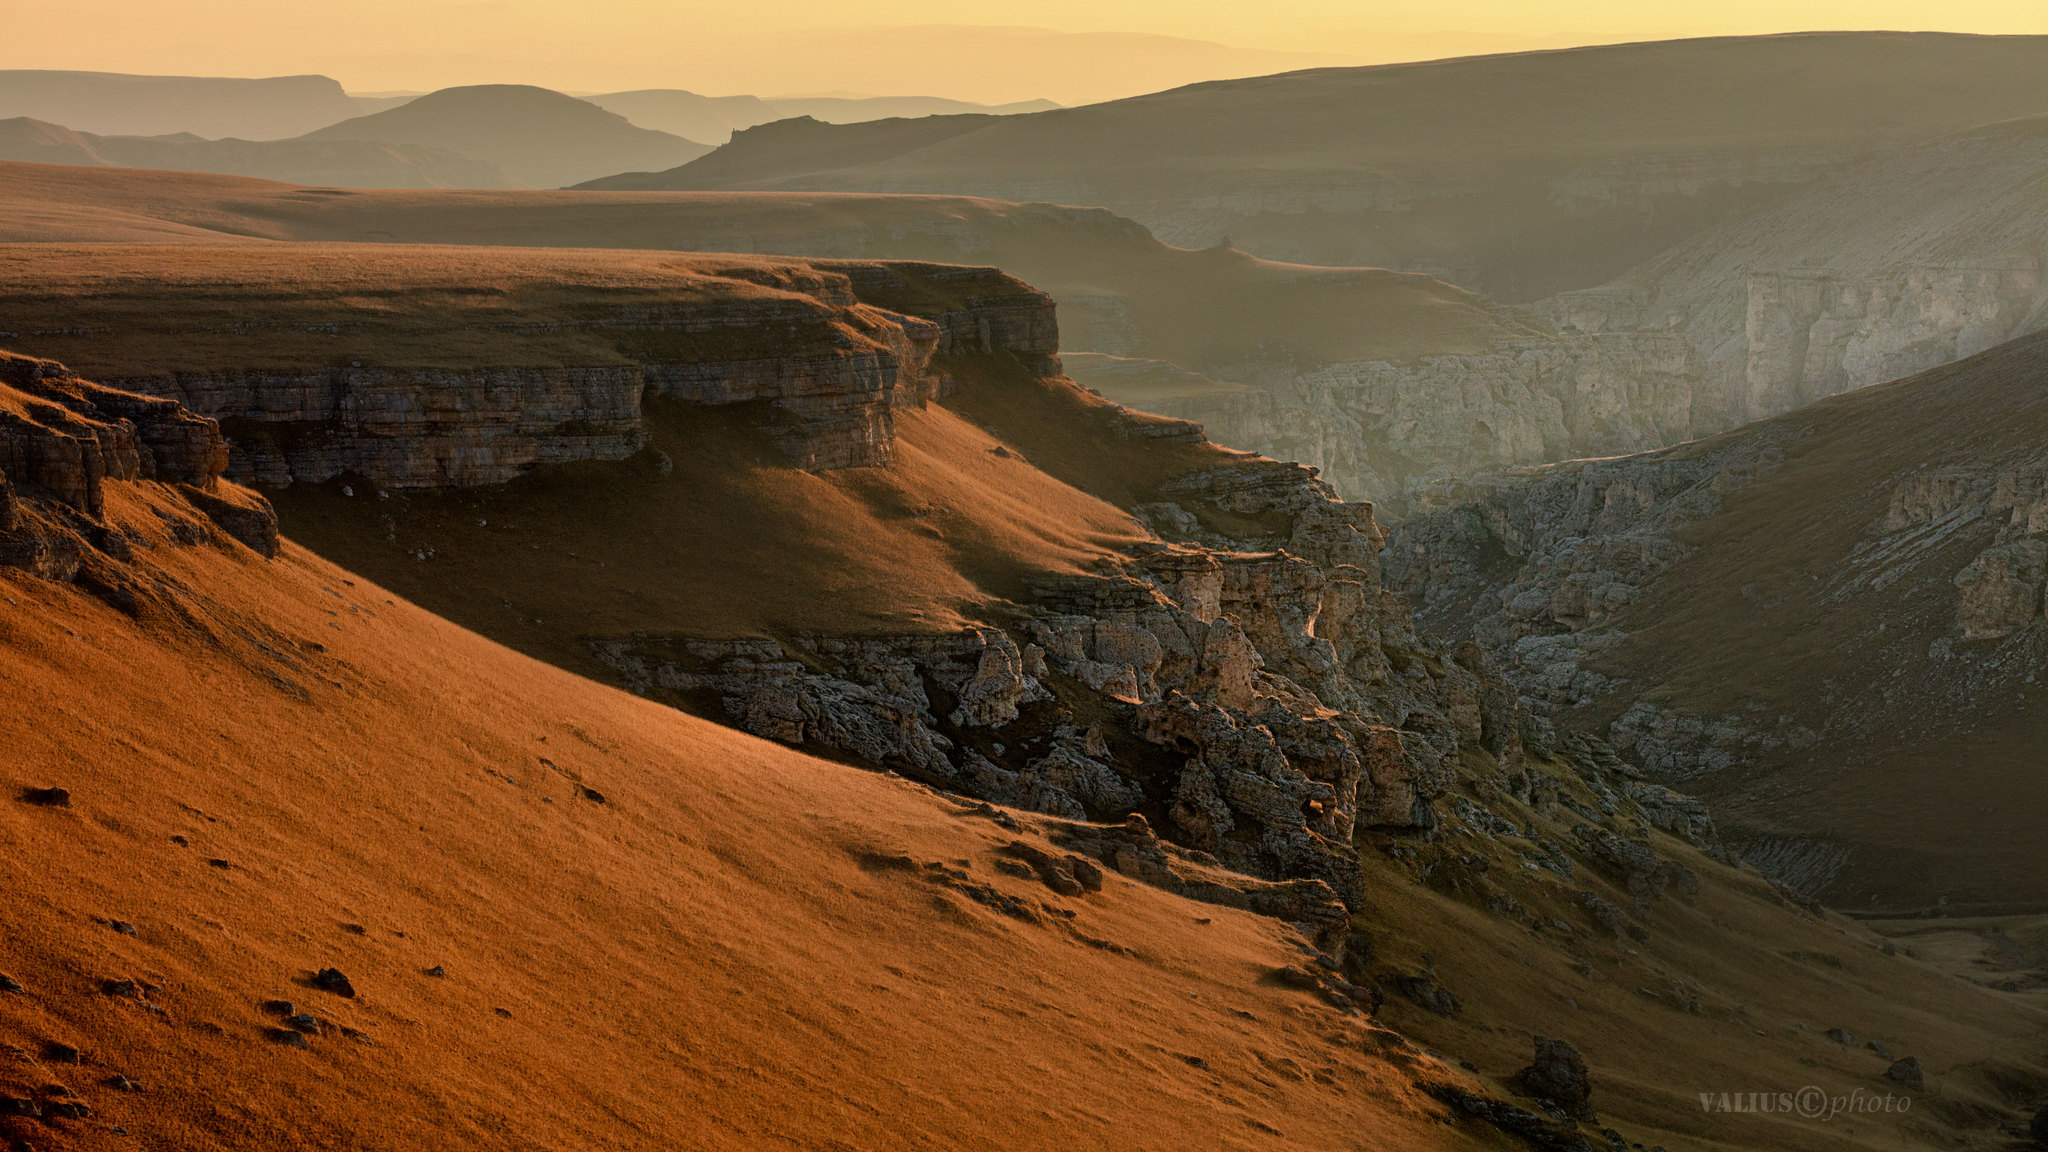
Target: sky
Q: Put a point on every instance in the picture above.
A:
(1071, 51)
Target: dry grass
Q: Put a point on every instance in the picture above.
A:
(720, 955)
(130, 310)
(733, 543)
(716, 956)
(1203, 309)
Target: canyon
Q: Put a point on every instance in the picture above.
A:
(793, 648)
(1185, 685)
(1810, 619)
(1926, 256)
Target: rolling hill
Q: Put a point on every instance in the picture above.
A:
(539, 137)
(348, 163)
(713, 119)
(117, 104)
(1516, 176)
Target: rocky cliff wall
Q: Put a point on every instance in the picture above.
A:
(1384, 430)
(828, 360)
(65, 442)
(1897, 266)
(1917, 260)
(1875, 566)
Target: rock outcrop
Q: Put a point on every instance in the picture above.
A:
(1381, 429)
(823, 354)
(64, 440)
(1265, 703)
(1900, 533)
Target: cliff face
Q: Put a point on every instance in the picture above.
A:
(461, 394)
(65, 441)
(1853, 589)
(1905, 263)
(1383, 429)
(1917, 260)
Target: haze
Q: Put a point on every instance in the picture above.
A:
(1065, 50)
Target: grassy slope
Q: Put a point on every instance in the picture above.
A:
(1752, 624)
(710, 958)
(717, 956)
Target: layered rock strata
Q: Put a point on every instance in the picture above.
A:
(64, 441)
(1916, 260)
(826, 358)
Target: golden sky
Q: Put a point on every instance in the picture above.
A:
(1066, 50)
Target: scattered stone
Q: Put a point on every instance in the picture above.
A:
(505, 1012)
(1196, 1062)
(1422, 990)
(1297, 977)
(280, 1007)
(1883, 1053)
(354, 929)
(125, 989)
(19, 1106)
(1068, 876)
(594, 796)
(120, 1083)
(68, 1110)
(48, 797)
(181, 842)
(10, 984)
(287, 1037)
(217, 862)
(122, 926)
(57, 1090)
(1558, 1078)
(437, 972)
(331, 980)
(1907, 1071)
(304, 1022)
(1604, 913)
(1541, 1133)
(1841, 1036)
(57, 1053)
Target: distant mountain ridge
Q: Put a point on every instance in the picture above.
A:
(116, 104)
(540, 137)
(713, 119)
(351, 163)
(1517, 176)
